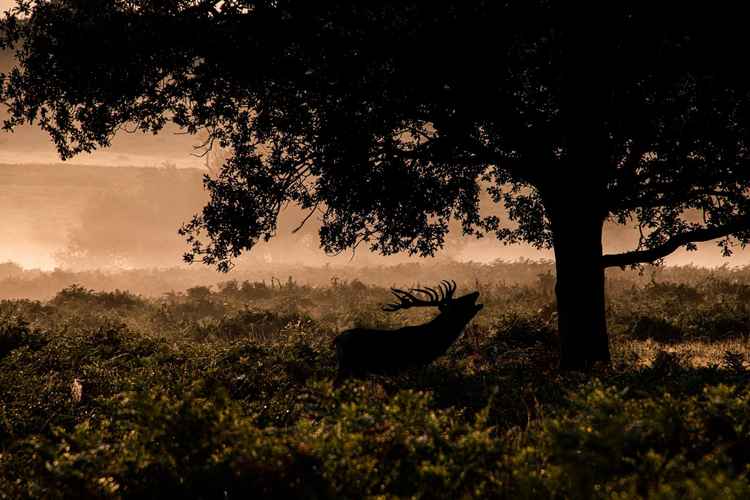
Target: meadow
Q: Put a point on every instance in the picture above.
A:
(226, 391)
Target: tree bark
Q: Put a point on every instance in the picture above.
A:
(582, 323)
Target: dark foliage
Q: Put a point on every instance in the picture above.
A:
(213, 394)
(339, 111)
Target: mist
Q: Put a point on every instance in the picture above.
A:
(82, 217)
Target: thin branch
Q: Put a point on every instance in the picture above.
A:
(206, 146)
(675, 242)
(658, 202)
(304, 221)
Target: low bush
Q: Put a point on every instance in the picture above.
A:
(210, 394)
(657, 329)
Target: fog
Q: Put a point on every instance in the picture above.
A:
(86, 217)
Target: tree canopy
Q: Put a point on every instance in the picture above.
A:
(386, 120)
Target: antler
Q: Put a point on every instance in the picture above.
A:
(408, 299)
(450, 289)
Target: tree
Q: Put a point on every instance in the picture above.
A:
(386, 121)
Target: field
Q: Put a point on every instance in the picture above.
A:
(227, 391)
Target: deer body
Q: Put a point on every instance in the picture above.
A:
(362, 350)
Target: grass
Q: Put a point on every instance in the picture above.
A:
(227, 392)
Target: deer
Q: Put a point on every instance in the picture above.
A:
(360, 351)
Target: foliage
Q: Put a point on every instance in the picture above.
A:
(389, 129)
(14, 332)
(219, 394)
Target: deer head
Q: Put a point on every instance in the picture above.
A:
(442, 298)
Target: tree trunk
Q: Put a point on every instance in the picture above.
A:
(574, 190)
(577, 238)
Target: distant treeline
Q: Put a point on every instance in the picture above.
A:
(15, 282)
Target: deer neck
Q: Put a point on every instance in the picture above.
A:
(445, 328)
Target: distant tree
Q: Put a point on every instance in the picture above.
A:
(386, 119)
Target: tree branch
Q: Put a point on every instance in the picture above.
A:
(660, 201)
(675, 242)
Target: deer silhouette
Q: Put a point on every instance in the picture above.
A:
(361, 350)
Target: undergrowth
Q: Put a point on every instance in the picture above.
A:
(228, 392)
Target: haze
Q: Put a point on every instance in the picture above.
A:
(77, 216)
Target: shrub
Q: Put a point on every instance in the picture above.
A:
(608, 444)
(658, 329)
(158, 445)
(14, 333)
(256, 324)
(719, 322)
(204, 396)
(524, 330)
(76, 296)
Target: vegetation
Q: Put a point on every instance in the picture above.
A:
(226, 391)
